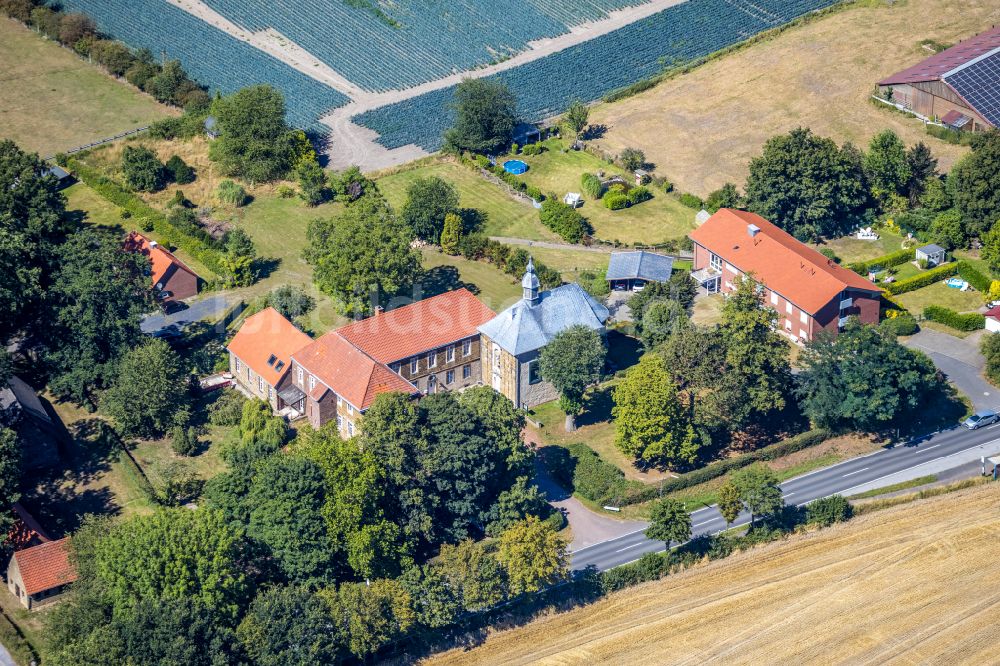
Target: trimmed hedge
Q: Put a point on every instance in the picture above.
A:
(138, 208)
(885, 261)
(923, 280)
(971, 274)
(973, 321)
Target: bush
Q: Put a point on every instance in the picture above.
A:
(592, 186)
(691, 201)
(285, 191)
(615, 200)
(232, 193)
(534, 193)
(227, 410)
(924, 279)
(184, 441)
(533, 149)
(950, 135)
(599, 481)
(972, 321)
(632, 159)
(885, 261)
(180, 172)
(902, 323)
(971, 274)
(639, 194)
(829, 510)
(564, 220)
(142, 170)
(830, 254)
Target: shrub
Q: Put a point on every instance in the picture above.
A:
(597, 480)
(142, 170)
(180, 172)
(830, 254)
(639, 194)
(885, 261)
(592, 186)
(972, 321)
(924, 279)
(950, 135)
(232, 193)
(691, 201)
(616, 200)
(227, 410)
(902, 323)
(184, 441)
(483, 162)
(285, 191)
(973, 276)
(632, 159)
(533, 149)
(534, 193)
(829, 510)
(564, 220)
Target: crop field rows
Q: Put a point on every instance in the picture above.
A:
(590, 70)
(209, 55)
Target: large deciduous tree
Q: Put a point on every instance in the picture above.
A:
(290, 626)
(571, 362)
(974, 184)
(533, 555)
(807, 185)
(428, 202)
(863, 379)
(886, 167)
(370, 616)
(255, 143)
(577, 116)
(651, 425)
(10, 482)
(758, 490)
(142, 169)
(149, 394)
(669, 521)
(363, 256)
(485, 116)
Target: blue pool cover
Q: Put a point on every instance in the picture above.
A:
(516, 167)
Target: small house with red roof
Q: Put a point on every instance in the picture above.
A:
(172, 279)
(260, 359)
(958, 86)
(810, 292)
(39, 574)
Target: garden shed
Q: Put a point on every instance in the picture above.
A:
(933, 254)
(632, 270)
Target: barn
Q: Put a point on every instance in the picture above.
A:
(958, 87)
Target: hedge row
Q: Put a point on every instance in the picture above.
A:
(971, 274)
(139, 209)
(923, 280)
(885, 261)
(972, 321)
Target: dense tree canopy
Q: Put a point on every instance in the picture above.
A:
(149, 393)
(10, 482)
(485, 115)
(533, 555)
(669, 522)
(886, 166)
(255, 143)
(806, 185)
(143, 171)
(974, 183)
(572, 361)
(363, 256)
(290, 626)
(428, 201)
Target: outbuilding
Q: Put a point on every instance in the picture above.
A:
(38, 575)
(934, 255)
(993, 319)
(631, 271)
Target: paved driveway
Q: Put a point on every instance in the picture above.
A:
(961, 361)
(210, 307)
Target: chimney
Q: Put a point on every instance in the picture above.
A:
(753, 230)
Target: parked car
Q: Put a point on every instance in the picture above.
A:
(170, 307)
(980, 419)
(168, 333)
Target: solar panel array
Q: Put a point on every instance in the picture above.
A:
(979, 84)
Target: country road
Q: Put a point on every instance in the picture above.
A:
(927, 455)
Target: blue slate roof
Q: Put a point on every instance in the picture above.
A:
(931, 249)
(524, 327)
(640, 264)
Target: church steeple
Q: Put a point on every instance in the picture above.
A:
(530, 284)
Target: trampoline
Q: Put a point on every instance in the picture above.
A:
(516, 167)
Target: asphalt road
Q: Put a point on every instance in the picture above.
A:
(927, 455)
(210, 307)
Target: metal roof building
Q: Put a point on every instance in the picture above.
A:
(627, 270)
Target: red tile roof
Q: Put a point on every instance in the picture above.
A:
(45, 566)
(797, 272)
(163, 262)
(993, 312)
(264, 335)
(348, 371)
(936, 66)
(419, 327)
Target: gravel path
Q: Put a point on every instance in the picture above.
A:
(549, 245)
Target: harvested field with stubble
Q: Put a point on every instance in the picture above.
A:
(701, 129)
(917, 583)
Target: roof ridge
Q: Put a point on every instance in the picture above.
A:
(969, 63)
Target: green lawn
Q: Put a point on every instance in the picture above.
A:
(849, 249)
(505, 216)
(940, 294)
(493, 287)
(653, 221)
(707, 310)
(570, 262)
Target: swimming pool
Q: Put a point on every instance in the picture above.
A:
(516, 167)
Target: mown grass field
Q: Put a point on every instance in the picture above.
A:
(702, 128)
(914, 583)
(51, 100)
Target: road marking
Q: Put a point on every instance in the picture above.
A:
(789, 494)
(928, 448)
(996, 425)
(641, 543)
(856, 471)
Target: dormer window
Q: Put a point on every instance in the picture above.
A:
(279, 366)
(271, 359)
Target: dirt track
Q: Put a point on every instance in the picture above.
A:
(914, 584)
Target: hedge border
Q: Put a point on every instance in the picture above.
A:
(972, 321)
(923, 280)
(973, 276)
(886, 260)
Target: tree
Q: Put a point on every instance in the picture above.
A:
(533, 556)
(572, 362)
(143, 171)
(991, 247)
(974, 184)
(370, 615)
(113, 56)
(451, 234)
(149, 394)
(632, 159)
(10, 482)
(255, 143)
(239, 259)
(428, 203)
(168, 84)
(669, 521)
(503, 423)
(726, 196)
(923, 169)
(650, 423)
(680, 287)
(886, 166)
(179, 171)
(291, 300)
(312, 182)
(475, 574)
(172, 554)
(577, 116)
(436, 603)
(948, 231)
(729, 502)
(758, 490)
(485, 115)
(75, 26)
(806, 185)
(658, 322)
(863, 379)
(516, 503)
(290, 625)
(98, 297)
(362, 257)
(184, 441)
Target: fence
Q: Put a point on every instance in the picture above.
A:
(101, 142)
